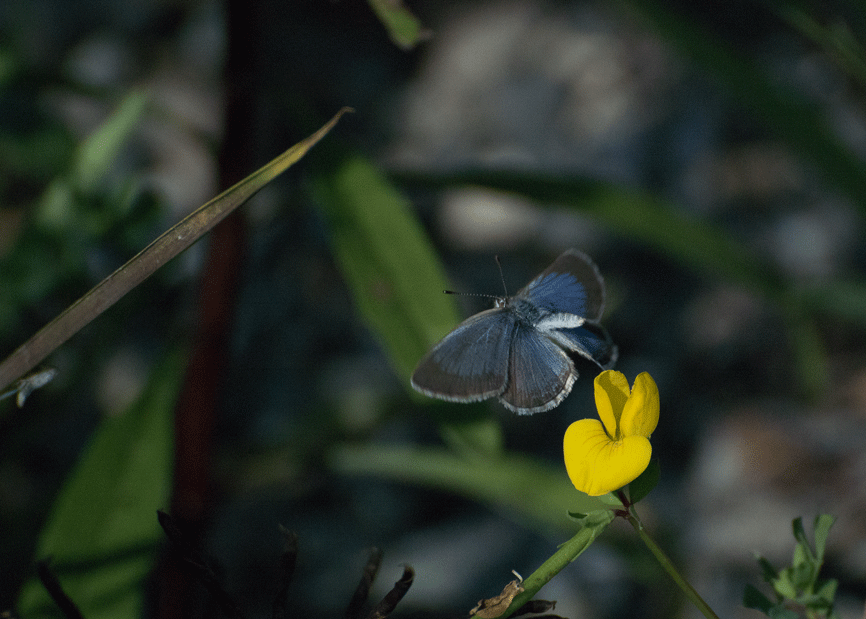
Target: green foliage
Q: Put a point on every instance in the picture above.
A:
(403, 27)
(102, 531)
(836, 39)
(645, 482)
(631, 214)
(532, 492)
(592, 524)
(784, 111)
(97, 154)
(146, 262)
(389, 264)
(696, 244)
(798, 586)
(76, 211)
(102, 534)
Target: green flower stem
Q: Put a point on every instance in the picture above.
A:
(662, 558)
(593, 525)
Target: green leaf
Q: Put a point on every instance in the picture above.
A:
(801, 556)
(387, 260)
(807, 348)
(474, 438)
(535, 494)
(102, 532)
(803, 575)
(754, 599)
(799, 531)
(93, 158)
(780, 612)
(768, 572)
(818, 602)
(611, 500)
(827, 590)
(99, 151)
(823, 524)
(645, 482)
(784, 585)
(404, 29)
(593, 520)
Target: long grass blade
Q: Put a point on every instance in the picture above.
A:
(171, 243)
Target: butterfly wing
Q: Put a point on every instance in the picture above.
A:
(590, 340)
(471, 362)
(540, 374)
(571, 285)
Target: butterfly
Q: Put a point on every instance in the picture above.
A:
(519, 350)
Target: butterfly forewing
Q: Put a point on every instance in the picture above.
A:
(540, 374)
(571, 285)
(471, 362)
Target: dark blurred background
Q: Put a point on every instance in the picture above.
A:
(745, 119)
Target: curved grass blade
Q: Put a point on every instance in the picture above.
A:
(172, 242)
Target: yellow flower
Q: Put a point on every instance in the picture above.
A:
(602, 458)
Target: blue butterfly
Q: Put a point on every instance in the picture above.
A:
(518, 351)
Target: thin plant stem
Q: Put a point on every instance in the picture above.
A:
(568, 552)
(669, 567)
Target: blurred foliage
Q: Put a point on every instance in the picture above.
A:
(102, 534)
(403, 27)
(386, 258)
(150, 259)
(798, 589)
(69, 215)
(78, 208)
(784, 111)
(534, 493)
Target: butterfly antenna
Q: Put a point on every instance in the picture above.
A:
(501, 276)
(481, 294)
(471, 294)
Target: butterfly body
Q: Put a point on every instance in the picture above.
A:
(519, 350)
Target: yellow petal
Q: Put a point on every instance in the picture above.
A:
(640, 415)
(595, 464)
(611, 394)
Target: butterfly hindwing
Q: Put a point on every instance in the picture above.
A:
(571, 285)
(589, 340)
(471, 362)
(540, 374)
